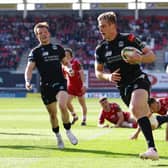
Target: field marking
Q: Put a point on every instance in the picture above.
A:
(97, 135)
(21, 110)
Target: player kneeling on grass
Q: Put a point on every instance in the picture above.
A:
(160, 106)
(155, 120)
(113, 113)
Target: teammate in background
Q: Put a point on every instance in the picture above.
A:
(160, 106)
(132, 82)
(76, 87)
(113, 113)
(47, 57)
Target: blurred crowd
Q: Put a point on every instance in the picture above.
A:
(17, 36)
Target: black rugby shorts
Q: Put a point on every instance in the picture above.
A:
(50, 90)
(139, 83)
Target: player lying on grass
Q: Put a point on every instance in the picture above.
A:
(155, 120)
(114, 114)
(159, 106)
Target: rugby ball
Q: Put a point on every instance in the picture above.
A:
(129, 52)
(153, 121)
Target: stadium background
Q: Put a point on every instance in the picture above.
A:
(77, 28)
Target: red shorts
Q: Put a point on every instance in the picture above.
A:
(126, 116)
(75, 91)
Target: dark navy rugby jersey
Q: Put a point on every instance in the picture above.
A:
(48, 62)
(109, 54)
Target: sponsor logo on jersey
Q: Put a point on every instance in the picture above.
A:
(120, 43)
(108, 53)
(54, 47)
(45, 53)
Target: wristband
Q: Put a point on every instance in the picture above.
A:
(28, 80)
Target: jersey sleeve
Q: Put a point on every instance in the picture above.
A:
(101, 118)
(31, 56)
(77, 65)
(136, 41)
(98, 54)
(116, 107)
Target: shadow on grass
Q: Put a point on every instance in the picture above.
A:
(74, 150)
(160, 165)
(20, 133)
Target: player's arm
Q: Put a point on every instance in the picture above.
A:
(28, 74)
(147, 56)
(82, 76)
(120, 119)
(103, 125)
(101, 121)
(135, 134)
(111, 77)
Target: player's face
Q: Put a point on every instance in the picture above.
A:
(68, 55)
(43, 35)
(107, 30)
(104, 104)
(154, 107)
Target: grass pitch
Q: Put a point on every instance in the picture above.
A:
(26, 140)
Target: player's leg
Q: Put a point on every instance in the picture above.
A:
(161, 120)
(62, 98)
(129, 121)
(167, 132)
(49, 99)
(82, 102)
(126, 124)
(139, 107)
(54, 123)
(71, 109)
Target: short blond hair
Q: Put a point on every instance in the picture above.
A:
(110, 17)
(39, 25)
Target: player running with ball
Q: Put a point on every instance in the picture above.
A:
(133, 84)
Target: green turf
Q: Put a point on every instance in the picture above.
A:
(26, 140)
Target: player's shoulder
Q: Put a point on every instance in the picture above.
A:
(56, 46)
(113, 104)
(75, 60)
(128, 36)
(34, 50)
(101, 44)
(163, 99)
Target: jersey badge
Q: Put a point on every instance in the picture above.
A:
(120, 43)
(54, 47)
(108, 53)
(45, 53)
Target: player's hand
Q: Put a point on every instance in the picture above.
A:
(116, 126)
(106, 126)
(134, 59)
(115, 77)
(83, 89)
(134, 136)
(71, 72)
(28, 85)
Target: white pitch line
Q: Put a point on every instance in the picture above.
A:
(21, 110)
(97, 135)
